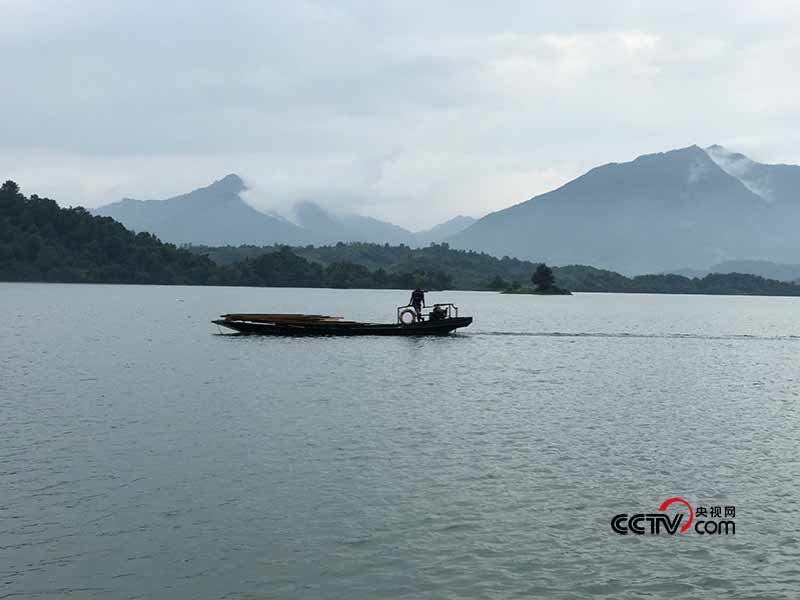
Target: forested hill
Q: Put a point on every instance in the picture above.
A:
(471, 270)
(468, 270)
(39, 241)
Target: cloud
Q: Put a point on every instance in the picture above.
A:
(412, 112)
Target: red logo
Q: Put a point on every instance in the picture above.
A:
(665, 505)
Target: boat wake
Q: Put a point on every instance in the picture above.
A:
(623, 335)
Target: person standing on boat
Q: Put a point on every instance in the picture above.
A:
(418, 301)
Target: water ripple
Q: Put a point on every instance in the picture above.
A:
(143, 456)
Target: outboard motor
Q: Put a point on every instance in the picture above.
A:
(438, 313)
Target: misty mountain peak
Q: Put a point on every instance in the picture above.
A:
(721, 155)
(679, 156)
(312, 216)
(214, 215)
(776, 183)
(742, 168)
(231, 183)
(669, 174)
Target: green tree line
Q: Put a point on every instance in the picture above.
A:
(470, 270)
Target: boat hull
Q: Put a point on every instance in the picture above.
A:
(442, 327)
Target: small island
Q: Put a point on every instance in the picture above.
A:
(544, 284)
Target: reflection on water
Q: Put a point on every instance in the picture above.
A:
(145, 456)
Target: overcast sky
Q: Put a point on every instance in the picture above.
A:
(408, 111)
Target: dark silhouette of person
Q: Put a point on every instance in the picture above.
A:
(418, 301)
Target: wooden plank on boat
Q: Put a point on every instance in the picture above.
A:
(276, 316)
(281, 318)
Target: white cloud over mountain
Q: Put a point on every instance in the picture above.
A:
(411, 112)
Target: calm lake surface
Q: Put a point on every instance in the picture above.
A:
(144, 455)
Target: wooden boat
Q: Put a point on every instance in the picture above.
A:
(443, 319)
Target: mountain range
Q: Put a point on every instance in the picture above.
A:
(690, 208)
(216, 215)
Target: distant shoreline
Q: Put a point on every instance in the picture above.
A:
(404, 290)
(553, 291)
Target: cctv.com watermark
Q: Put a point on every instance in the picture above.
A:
(702, 520)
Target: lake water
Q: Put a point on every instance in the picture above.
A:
(144, 455)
